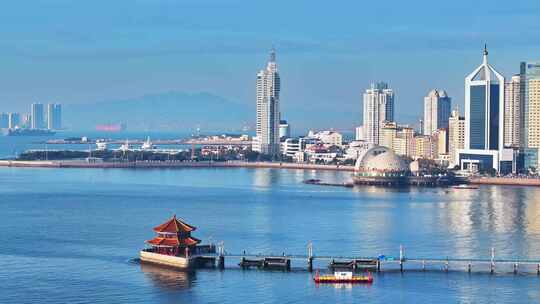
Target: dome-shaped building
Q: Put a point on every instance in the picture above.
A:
(381, 166)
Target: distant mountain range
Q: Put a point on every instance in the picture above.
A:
(181, 111)
(166, 111)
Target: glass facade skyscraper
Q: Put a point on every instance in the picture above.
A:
(484, 89)
(484, 121)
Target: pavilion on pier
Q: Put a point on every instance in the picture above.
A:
(174, 238)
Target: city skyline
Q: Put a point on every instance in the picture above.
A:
(325, 64)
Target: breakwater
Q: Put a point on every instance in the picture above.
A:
(169, 164)
(505, 181)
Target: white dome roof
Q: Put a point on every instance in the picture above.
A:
(415, 166)
(381, 159)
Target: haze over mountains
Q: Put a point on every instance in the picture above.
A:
(182, 111)
(165, 112)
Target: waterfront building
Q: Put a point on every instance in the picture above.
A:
(399, 139)
(4, 120)
(512, 112)
(378, 108)
(359, 133)
(440, 144)
(484, 121)
(530, 101)
(14, 120)
(388, 133)
(381, 166)
(423, 147)
(284, 129)
(456, 136)
(37, 120)
(291, 146)
(437, 107)
(404, 142)
(356, 149)
(320, 153)
(327, 137)
(54, 116)
(268, 115)
(528, 71)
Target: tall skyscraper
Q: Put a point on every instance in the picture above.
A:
(437, 107)
(378, 108)
(268, 115)
(512, 112)
(38, 121)
(456, 136)
(530, 127)
(54, 116)
(14, 120)
(528, 72)
(484, 121)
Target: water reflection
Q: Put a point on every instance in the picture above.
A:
(168, 278)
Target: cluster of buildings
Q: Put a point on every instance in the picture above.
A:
(39, 118)
(273, 133)
(499, 130)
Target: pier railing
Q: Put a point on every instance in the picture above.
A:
(401, 263)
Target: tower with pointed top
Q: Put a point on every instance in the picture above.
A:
(484, 121)
(268, 114)
(484, 107)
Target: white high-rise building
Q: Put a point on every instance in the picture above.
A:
(14, 120)
(529, 73)
(530, 119)
(456, 136)
(268, 115)
(437, 107)
(378, 108)
(512, 112)
(359, 133)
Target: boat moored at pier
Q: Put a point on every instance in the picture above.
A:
(343, 277)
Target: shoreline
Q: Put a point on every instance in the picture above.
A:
(501, 181)
(505, 181)
(168, 164)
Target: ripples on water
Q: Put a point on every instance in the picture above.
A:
(70, 235)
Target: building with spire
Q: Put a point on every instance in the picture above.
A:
(268, 114)
(437, 107)
(484, 122)
(378, 109)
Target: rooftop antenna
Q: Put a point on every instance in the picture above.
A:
(485, 53)
(273, 54)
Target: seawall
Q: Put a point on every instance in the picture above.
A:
(169, 164)
(505, 181)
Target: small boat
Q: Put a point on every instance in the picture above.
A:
(343, 277)
(465, 186)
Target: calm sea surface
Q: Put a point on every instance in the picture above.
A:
(70, 236)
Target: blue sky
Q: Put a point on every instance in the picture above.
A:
(328, 52)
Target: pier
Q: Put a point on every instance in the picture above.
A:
(401, 263)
